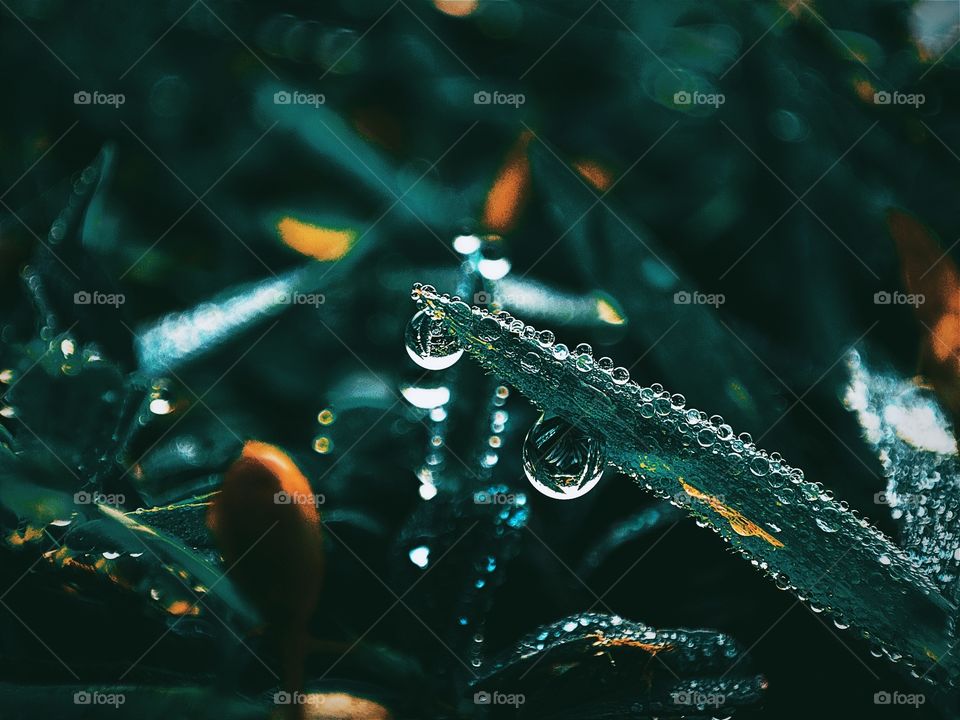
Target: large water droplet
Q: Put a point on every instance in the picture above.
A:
(560, 460)
(430, 343)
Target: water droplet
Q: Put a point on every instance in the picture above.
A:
(706, 437)
(584, 363)
(326, 417)
(431, 344)
(322, 444)
(560, 460)
(466, 244)
(825, 526)
(605, 364)
(545, 338)
(489, 329)
(531, 362)
(759, 466)
(560, 351)
(620, 375)
(161, 406)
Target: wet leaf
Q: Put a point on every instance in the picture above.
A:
(790, 527)
(592, 665)
(266, 523)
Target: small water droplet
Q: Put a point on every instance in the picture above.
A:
(620, 375)
(531, 362)
(489, 329)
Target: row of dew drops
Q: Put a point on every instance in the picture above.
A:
(505, 508)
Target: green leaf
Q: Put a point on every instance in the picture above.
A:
(790, 528)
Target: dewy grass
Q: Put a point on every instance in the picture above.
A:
(787, 526)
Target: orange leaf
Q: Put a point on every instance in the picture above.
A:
(267, 527)
(510, 189)
(931, 274)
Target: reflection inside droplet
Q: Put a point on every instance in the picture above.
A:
(430, 343)
(560, 460)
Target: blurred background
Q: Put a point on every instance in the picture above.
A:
(221, 206)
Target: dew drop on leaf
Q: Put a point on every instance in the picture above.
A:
(531, 362)
(430, 344)
(560, 460)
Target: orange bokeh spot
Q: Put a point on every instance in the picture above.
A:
(510, 189)
(321, 243)
(594, 173)
(457, 8)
